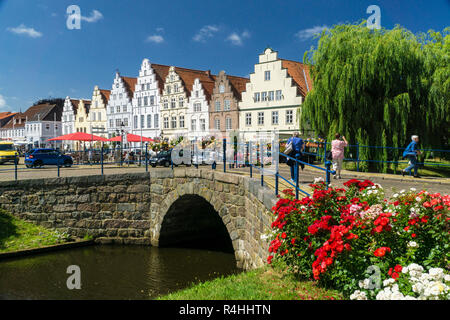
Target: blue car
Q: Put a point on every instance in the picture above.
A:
(37, 158)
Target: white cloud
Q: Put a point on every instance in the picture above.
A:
(236, 39)
(156, 38)
(23, 29)
(95, 16)
(205, 33)
(309, 33)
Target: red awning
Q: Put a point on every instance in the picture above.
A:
(78, 136)
(132, 138)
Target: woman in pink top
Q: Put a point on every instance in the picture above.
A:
(337, 150)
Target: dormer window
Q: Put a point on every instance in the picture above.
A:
(266, 75)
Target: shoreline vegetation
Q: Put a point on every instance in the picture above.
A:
(266, 283)
(16, 235)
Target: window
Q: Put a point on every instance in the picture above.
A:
(257, 97)
(96, 104)
(166, 105)
(149, 121)
(173, 103)
(156, 121)
(271, 95)
(203, 124)
(125, 122)
(248, 119)
(174, 122)
(114, 96)
(289, 116)
(93, 116)
(166, 123)
(227, 105)
(169, 90)
(197, 107)
(99, 116)
(274, 117)
(117, 122)
(221, 88)
(180, 102)
(260, 118)
(175, 88)
(124, 108)
(217, 124)
(228, 123)
(217, 105)
(142, 120)
(145, 101)
(120, 96)
(117, 109)
(111, 123)
(47, 127)
(264, 96)
(181, 121)
(142, 87)
(279, 95)
(266, 75)
(152, 100)
(196, 93)
(194, 125)
(148, 86)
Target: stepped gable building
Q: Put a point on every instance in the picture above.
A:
(175, 99)
(82, 116)
(70, 110)
(97, 112)
(272, 99)
(224, 108)
(199, 106)
(146, 99)
(120, 108)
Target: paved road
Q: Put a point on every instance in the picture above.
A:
(390, 183)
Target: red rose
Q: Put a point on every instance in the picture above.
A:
(380, 252)
(390, 271)
(293, 241)
(413, 235)
(395, 275)
(269, 259)
(398, 268)
(283, 235)
(406, 228)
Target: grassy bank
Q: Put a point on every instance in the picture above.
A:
(16, 234)
(262, 284)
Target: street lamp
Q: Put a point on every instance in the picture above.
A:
(121, 131)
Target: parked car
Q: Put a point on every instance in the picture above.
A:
(37, 158)
(163, 158)
(8, 153)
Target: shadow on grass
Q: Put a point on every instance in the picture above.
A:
(7, 227)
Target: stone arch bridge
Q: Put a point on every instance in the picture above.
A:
(161, 207)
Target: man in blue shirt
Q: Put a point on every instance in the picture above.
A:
(297, 148)
(411, 152)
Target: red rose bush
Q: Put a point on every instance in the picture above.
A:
(354, 240)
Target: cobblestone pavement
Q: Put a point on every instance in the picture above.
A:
(390, 183)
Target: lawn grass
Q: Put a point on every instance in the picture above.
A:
(16, 234)
(267, 283)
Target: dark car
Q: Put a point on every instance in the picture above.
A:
(39, 157)
(163, 158)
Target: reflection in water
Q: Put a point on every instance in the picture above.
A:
(111, 272)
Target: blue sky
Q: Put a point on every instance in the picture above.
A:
(40, 57)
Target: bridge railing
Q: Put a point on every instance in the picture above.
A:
(248, 161)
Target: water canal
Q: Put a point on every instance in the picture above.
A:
(112, 272)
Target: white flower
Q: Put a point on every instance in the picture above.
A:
(388, 282)
(317, 180)
(413, 189)
(358, 295)
(447, 277)
(418, 199)
(397, 295)
(412, 244)
(395, 195)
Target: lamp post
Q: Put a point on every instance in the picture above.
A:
(121, 131)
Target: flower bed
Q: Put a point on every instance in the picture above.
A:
(354, 240)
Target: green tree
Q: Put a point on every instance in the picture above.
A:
(378, 87)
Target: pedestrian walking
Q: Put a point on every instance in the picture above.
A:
(337, 151)
(298, 146)
(411, 152)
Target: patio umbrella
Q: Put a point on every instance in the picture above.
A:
(132, 138)
(78, 136)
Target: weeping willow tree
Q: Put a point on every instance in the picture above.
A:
(378, 87)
